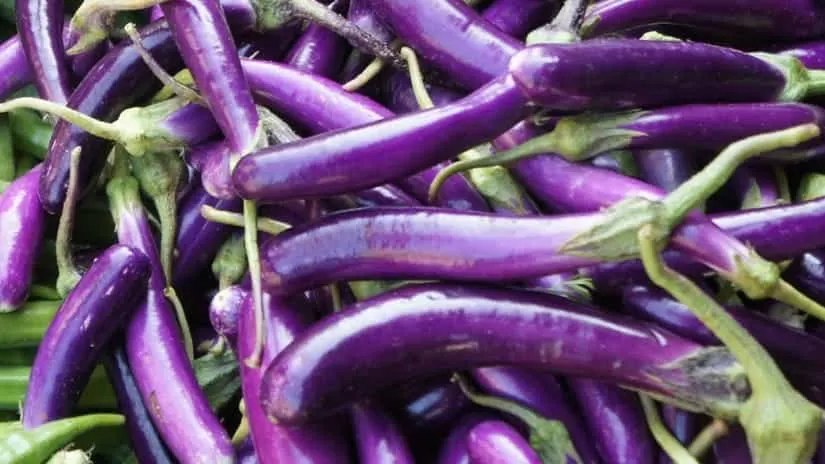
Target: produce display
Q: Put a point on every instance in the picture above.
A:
(397, 231)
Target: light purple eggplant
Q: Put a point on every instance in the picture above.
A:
(497, 442)
(225, 313)
(22, 221)
(379, 342)
(317, 443)
(454, 450)
(90, 315)
(156, 352)
(319, 50)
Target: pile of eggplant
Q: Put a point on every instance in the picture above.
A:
(397, 231)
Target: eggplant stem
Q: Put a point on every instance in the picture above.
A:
(707, 437)
(67, 274)
(166, 206)
(669, 444)
(774, 408)
(422, 97)
(275, 128)
(530, 418)
(337, 301)
(266, 225)
(242, 432)
(180, 90)
(313, 11)
(94, 19)
(102, 129)
(365, 76)
(172, 296)
(565, 26)
(815, 83)
(250, 216)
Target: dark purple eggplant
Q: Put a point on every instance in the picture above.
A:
(22, 221)
(378, 437)
(518, 17)
(319, 50)
(454, 450)
(90, 315)
(348, 356)
(40, 27)
(14, 67)
(665, 168)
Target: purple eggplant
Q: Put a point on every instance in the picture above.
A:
(665, 168)
(543, 394)
(378, 437)
(202, 34)
(116, 82)
(615, 421)
(320, 442)
(361, 15)
(22, 221)
(146, 443)
(497, 442)
(321, 105)
(756, 187)
(319, 50)
(811, 54)
(451, 36)
(766, 19)
(91, 313)
(397, 93)
(40, 25)
(156, 351)
(657, 306)
(454, 450)
(378, 342)
(518, 17)
(427, 409)
(732, 448)
(376, 153)
(225, 313)
(16, 72)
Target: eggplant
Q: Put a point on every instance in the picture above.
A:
(225, 313)
(518, 17)
(22, 222)
(90, 315)
(454, 450)
(15, 67)
(40, 28)
(378, 437)
(497, 442)
(665, 168)
(347, 356)
(319, 51)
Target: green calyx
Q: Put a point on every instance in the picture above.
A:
(124, 195)
(797, 77)
(230, 264)
(141, 130)
(272, 14)
(811, 187)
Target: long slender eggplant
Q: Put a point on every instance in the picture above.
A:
(518, 17)
(543, 394)
(615, 421)
(454, 449)
(665, 168)
(319, 50)
(320, 442)
(321, 105)
(40, 28)
(326, 164)
(146, 443)
(378, 342)
(362, 15)
(102, 300)
(378, 437)
(497, 442)
(202, 34)
(766, 19)
(16, 72)
(156, 352)
(451, 36)
(22, 222)
(117, 81)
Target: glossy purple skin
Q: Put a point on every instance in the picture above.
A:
(362, 15)
(198, 240)
(155, 13)
(190, 125)
(379, 342)
(319, 50)
(380, 152)
(811, 54)
(321, 105)
(427, 408)
(656, 306)
(15, 72)
(378, 437)
(146, 443)
(317, 443)
(383, 195)
(159, 362)
(398, 94)
(450, 36)
(211, 159)
(246, 452)
(202, 34)
(22, 220)
(225, 313)
(497, 442)
(682, 424)
(807, 273)
(543, 394)
(82, 63)
(776, 233)
(616, 422)
(104, 297)
(518, 17)
(732, 448)
(665, 168)
(419, 243)
(40, 28)
(591, 75)
(118, 81)
(767, 19)
(762, 179)
(454, 450)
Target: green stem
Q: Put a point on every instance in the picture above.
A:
(166, 206)
(565, 26)
(67, 274)
(186, 332)
(774, 409)
(44, 292)
(816, 83)
(782, 184)
(707, 437)
(706, 182)
(104, 130)
(669, 444)
(7, 159)
(94, 20)
(266, 225)
(335, 292)
(364, 77)
(811, 187)
(230, 262)
(250, 214)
